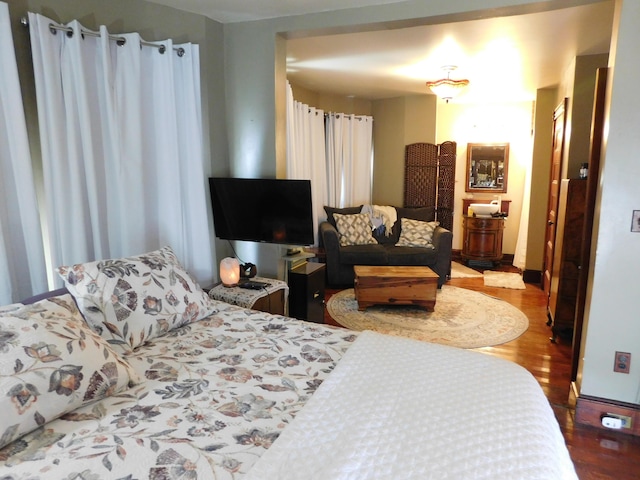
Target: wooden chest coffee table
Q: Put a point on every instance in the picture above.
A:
(386, 285)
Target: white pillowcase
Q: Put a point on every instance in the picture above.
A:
(129, 301)
(52, 363)
(415, 233)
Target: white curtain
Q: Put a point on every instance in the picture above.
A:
(520, 257)
(349, 159)
(306, 152)
(22, 265)
(121, 135)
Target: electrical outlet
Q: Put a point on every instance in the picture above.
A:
(616, 421)
(622, 362)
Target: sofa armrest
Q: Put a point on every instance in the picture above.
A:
(331, 244)
(442, 241)
(329, 236)
(441, 236)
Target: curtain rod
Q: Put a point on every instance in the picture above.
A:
(120, 41)
(346, 115)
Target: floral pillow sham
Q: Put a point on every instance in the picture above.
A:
(129, 301)
(52, 363)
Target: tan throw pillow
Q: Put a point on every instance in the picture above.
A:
(415, 233)
(129, 301)
(354, 229)
(52, 363)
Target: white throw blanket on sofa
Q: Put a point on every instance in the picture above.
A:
(381, 215)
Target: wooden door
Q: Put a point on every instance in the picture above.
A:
(567, 255)
(559, 123)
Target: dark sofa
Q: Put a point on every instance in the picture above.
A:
(341, 259)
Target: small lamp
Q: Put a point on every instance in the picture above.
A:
(229, 271)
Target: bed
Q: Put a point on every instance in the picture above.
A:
(229, 393)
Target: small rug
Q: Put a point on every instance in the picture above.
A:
(503, 280)
(462, 271)
(461, 318)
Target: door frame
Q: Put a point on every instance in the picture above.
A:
(555, 175)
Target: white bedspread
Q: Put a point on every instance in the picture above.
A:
(395, 408)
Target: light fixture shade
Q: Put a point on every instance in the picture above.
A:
(229, 271)
(446, 88)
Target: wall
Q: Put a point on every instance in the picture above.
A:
(349, 105)
(611, 308)
(611, 317)
(401, 121)
(489, 123)
(584, 83)
(250, 70)
(398, 122)
(578, 85)
(331, 103)
(249, 118)
(546, 102)
(251, 73)
(153, 22)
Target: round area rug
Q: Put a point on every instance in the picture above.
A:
(461, 318)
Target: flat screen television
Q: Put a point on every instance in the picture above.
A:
(262, 210)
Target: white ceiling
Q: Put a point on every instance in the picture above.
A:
(230, 11)
(523, 52)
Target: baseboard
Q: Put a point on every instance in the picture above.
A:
(532, 276)
(590, 410)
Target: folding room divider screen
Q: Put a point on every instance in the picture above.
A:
(429, 179)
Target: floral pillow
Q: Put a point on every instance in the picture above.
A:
(10, 308)
(129, 301)
(52, 363)
(415, 233)
(354, 229)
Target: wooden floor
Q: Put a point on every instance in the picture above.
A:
(597, 454)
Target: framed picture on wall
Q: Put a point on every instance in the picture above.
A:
(487, 167)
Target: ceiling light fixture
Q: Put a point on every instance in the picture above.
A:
(446, 88)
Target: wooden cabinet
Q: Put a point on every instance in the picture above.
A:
(565, 271)
(271, 303)
(306, 292)
(482, 239)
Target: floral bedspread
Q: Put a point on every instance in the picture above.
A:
(216, 394)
